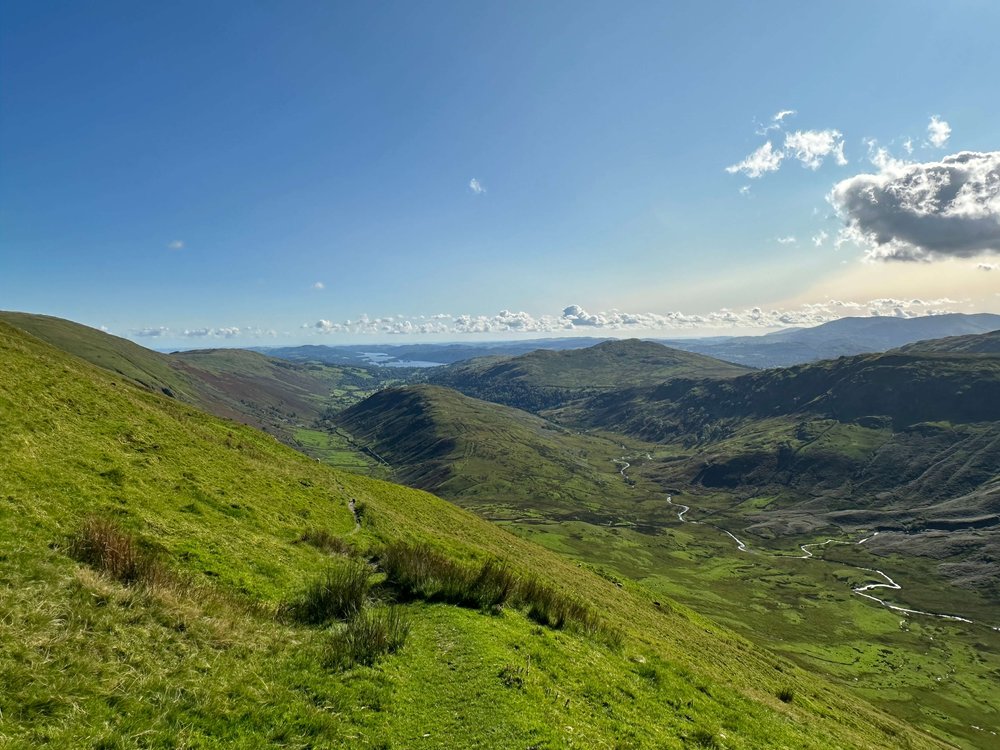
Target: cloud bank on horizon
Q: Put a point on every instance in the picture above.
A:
(577, 319)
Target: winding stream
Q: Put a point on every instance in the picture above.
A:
(888, 583)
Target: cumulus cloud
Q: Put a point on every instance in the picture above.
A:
(176, 245)
(938, 132)
(319, 285)
(811, 147)
(924, 211)
(476, 186)
(789, 240)
(745, 190)
(819, 238)
(764, 159)
(151, 332)
(575, 318)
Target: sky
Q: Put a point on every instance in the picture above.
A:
(191, 173)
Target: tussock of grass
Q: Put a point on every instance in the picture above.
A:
(372, 634)
(323, 540)
(419, 572)
(104, 545)
(547, 606)
(338, 594)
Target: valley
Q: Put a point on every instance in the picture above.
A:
(752, 522)
(808, 531)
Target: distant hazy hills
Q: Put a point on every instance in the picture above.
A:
(843, 337)
(398, 355)
(837, 338)
(542, 379)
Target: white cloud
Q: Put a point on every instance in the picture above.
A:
(225, 333)
(176, 245)
(575, 318)
(789, 240)
(811, 147)
(476, 186)
(908, 145)
(819, 238)
(151, 332)
(938, 132)
(923, 211)
(776, 121)
(764, 159)
(745, 190)
(319, 285)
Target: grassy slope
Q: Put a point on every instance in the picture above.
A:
(87, 662)
(544, 378)
(503, 462)
(280, 397)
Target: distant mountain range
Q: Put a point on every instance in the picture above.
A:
(420, 355)
(838, 338)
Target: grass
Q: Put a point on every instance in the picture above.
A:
(87, 660)
(323, 540)
(338, 594)
(372, 634)
(102, 544)
(419, 571)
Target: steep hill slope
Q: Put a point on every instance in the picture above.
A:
(838, 338)
(196, 654)
(543, 379)
(500, 461)
(280, 397)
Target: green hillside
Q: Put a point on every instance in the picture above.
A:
(282, 398)
(500, 461)
(202, 645)
(543, 379)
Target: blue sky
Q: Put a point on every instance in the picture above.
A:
(267, 172)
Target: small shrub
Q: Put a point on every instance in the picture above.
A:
(339, 594)
(786, 695)
(323, 540)
(512, 676)
(369, 636)
(704, 738)
(104, 545)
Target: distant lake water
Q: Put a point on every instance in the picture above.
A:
(387, 360)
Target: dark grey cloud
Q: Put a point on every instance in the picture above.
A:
(924, 211)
